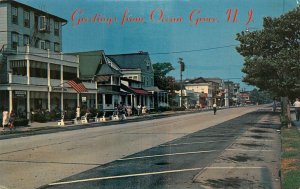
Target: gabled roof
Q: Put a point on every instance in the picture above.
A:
(132, 61)
(105, 69)
(93, 63)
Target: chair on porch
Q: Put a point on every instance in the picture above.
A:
(84, 119)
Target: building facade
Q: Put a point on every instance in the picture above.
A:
(34, 72)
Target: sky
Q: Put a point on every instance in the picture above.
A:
(203, 33)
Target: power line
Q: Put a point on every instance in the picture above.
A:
(156, 53)
(195, 50)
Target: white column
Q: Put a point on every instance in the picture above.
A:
(10, 100)
(140, 99)
(96, 101)
(131, 99)
(78, 99)
(28, 72)
(103, 101)
(49, 86)
(62, 102)
(28, 105)
(62, 88)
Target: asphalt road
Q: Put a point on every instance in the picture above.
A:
(164, 153)
(176, 164)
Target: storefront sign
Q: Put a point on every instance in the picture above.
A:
(83, 99)
(20, 93)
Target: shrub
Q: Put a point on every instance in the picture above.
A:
(21, 122)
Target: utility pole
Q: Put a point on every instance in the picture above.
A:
(182, 68)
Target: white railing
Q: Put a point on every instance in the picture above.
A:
(38, 81)
(55, 82)
(89, 85)
(46, 53)
(19, 79)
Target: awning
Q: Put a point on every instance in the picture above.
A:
(140, 91)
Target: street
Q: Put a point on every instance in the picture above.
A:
(188, 151)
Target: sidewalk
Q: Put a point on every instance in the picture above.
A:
(35, 126)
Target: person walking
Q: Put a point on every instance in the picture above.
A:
(215, 108)
(4, 118)
(12, 116)
(297, 108)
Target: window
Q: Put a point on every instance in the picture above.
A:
(26, 19)
(56, 47)
(108, 99)
(56, 28)
(38, 69)
(14, 15)
(42, 44)
(54, 71)
(14, 40)
(18, 67)
(47, 44)
(26, 40)
(69, 73)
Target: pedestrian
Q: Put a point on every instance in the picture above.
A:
(297, 108)
(215, 108)
(11, 123)
(4, 118)
(139, 107)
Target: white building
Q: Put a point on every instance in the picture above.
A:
(33, 71)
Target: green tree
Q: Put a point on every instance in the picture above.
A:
(164, 82)
(161, 80)
(272, 55)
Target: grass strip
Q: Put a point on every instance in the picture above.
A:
(290, 158)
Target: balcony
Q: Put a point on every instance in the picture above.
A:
(45, 53)
(18, 79)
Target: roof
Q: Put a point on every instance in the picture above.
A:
(197, 80)
(105, 69)
(93, 63)
(107, 91)
(155, 89)
(130, 80)
(139, 91)
(43, 13)
(132, 61)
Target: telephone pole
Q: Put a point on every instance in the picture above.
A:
(182, 68)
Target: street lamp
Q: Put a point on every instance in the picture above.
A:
(182, 68)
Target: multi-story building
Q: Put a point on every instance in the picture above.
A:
(137, 66)
(208, 89)
(34, 72)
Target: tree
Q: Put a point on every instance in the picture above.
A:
(161, 80)
(272, 56)
(164, 82)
